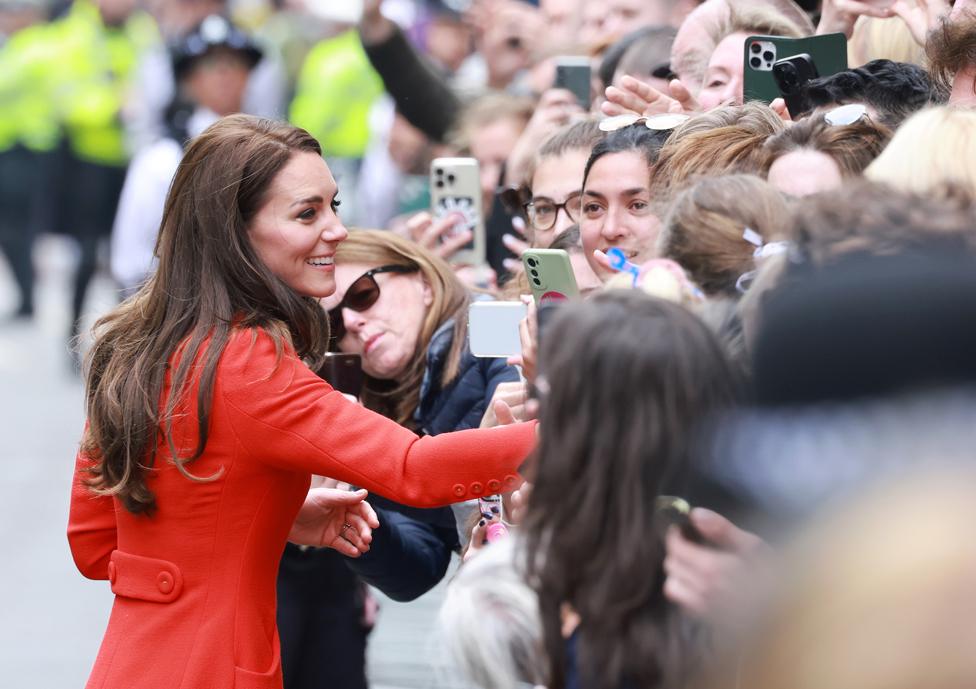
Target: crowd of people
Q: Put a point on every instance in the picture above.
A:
(739, 457)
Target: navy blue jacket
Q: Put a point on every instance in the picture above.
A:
(412, 547)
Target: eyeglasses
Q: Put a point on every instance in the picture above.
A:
(661, 122)
(846, 114)
(362, 293)
(542, 212)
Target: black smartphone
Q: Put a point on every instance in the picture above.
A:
(343, 371)
(791, 75)
(674, 511)
(573, 74)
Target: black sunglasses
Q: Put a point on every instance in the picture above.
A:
(362, 293)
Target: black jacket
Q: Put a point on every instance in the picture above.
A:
(412, 548)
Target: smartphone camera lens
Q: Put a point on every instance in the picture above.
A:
(537, 281)
(755, 62)
(768, 56)
(532, 262)
(439, 184)
(535, 273)
(439, 172)
(755, 47)
(450, 179)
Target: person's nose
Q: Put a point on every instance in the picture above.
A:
(614, 227)
(334, 232)
(353, 321)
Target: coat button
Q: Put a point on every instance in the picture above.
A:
(459, 490)
(477, 488)
(165, 582)
(111, 572)
(494, 485)
(511, 481)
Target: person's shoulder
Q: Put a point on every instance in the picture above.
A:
(257, 351)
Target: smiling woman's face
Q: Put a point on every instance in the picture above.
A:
(617, 209)
(385, 335)
(297, 231)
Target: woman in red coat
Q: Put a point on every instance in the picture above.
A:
(204, 423)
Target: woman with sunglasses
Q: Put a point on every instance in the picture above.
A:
(205, 424)
(404, 312)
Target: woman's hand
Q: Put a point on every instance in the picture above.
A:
(434, 235)
(702, 578)
(528, 334)
(374, 27)
(839, 16)
(507, 405)
(921, 16)
(332, 518)
(636, 97)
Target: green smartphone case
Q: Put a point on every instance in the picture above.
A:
(550, 275)
(829, 53)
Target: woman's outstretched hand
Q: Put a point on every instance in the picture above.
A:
(333, 518)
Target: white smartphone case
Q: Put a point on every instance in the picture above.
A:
(493, 328)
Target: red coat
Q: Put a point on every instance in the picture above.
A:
(195, 583)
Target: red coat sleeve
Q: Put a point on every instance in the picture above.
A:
(91, 525)
(286, 416)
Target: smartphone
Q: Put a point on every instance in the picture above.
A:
(670, 511)
(455, 187)
(573, 74)
(493, 328)
(343, 371)
(791, 75)
(492, 511)
(550, 275)
(760, 54)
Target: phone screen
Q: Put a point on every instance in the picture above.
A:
(344, 372)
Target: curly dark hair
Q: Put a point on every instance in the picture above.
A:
(893, 89)
(951, 46)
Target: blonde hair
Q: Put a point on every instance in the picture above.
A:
(934, 147)
(450, 300)
(883, 39)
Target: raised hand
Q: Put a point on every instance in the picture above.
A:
(332, 518)
(637, 97)
(921, 16)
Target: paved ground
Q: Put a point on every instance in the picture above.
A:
(53, 618)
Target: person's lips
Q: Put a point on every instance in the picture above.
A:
(370, 343)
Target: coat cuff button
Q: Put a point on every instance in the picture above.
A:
(459, 490)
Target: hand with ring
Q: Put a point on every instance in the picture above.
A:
(334, 518)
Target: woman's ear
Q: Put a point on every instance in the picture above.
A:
(428, 292)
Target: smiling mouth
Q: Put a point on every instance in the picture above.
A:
(321, 261)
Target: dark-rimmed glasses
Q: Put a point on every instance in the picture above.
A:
(362, 293)
(542, 212)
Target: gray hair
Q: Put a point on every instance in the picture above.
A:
(490, 621)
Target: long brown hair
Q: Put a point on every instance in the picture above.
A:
(398, 399)
(209, 281)
(629, 376)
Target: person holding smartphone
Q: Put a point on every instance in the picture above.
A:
(204, 423)
(404, 312)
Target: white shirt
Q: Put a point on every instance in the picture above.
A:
(140, 209)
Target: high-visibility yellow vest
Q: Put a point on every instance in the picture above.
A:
(28, 114)
(98, 63)
(336, 89)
